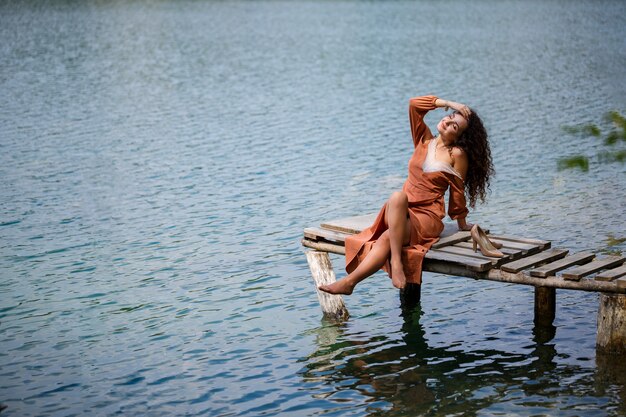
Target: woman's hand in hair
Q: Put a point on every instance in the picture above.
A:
(464, 110)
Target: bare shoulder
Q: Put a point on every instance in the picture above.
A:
(460, 161)
(458, 153)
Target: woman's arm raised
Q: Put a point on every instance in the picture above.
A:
(461, 108)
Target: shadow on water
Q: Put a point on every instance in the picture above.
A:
(406, 376)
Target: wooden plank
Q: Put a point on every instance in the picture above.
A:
(599, 264)
(470, 263)
(469, 252)
(511, 253)
(544, 244)
(541, 257)
(452, 239)
(611, 274)
(620, 283)
(553, 267)
(528, 249)
(351, 225)
(316, 233)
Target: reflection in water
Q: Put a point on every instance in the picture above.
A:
(404, 375)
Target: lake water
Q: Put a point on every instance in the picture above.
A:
(159, 160)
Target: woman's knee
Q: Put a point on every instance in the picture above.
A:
(383, 239)
(399, 199)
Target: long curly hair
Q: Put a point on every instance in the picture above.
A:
(474, 143)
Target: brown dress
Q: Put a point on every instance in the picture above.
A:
(425, 188)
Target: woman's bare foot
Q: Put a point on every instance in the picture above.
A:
(339, 287)
(398, 279)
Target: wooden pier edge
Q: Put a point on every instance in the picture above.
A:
(611, 319)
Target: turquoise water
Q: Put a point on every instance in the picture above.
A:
(159, 161)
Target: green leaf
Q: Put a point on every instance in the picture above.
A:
(617, 119)
(611, 138)
(578, 161)
(586, 130)
(616, 156)
(611, 240)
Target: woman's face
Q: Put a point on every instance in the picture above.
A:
(451, 127)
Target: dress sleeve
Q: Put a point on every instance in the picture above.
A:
(418, 107)
(457, 208)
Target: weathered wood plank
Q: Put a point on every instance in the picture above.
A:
(469, 252)
(323, 274)
(553, 267)
(470, 263)
(452, 239)
(511, 253)
(595, 266)
(351, 225)
(620, 283)
(316, 233)
(546, 256)
(527, 249)
(611, 274)
(544, 244)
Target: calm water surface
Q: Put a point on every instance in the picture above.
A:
(159, 161)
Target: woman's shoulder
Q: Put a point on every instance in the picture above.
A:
(460, 162)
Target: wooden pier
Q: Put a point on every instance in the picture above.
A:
(526, 261)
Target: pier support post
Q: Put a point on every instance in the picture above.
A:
(333, 306)
(545, 306)
(611, 337)
(410, 295)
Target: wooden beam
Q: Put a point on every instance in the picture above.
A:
(553, 282)
(324, 246)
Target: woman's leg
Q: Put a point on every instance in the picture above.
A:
(374, 260)
(399, 234)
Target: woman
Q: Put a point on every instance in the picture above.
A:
(410, 222)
